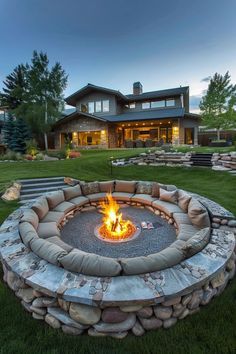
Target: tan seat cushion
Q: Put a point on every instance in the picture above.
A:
(47, 250)
(30, 216)
(125, 186)
(90, 188)
(167, 208)
(155, 190)
(90, 264)
(55, 198)
(79, 201)
(56, 216)
(72, 192)
(107, 186)
(143, 198)
(27, 233)
(181, 218)
(41, 207)
(126, 197)
(57, 241)
(197, 242)
(185, 231)
(170, 197)
(144, 187)
(183, 200)
(96, 196)
(64, 207)
(48, 229)
(198, 214)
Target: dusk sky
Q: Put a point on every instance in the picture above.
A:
(163, 44)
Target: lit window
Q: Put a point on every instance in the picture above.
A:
(105, 106)
(98, 106)
(158, 104)
(132, 105)
(145, 105)
(170, 103)
(91, 107)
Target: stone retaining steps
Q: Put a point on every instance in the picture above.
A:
(199, 159)
(34, 188)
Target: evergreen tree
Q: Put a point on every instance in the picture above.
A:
(8, 131)
(20, 136)
(218, 105)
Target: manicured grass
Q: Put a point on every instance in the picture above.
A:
(212, 330)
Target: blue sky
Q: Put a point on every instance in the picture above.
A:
(163, 44)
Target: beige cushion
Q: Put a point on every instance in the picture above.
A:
(57, 241)
(30, 216)
(48, 251)
(185, 232)
(27, 232)
(64, 207)
(183, 200)
(96, 196)
(90, 264)
(144, 188)
(48, 229)
(41, 207)
(143, 198)
(198, 214)
(90, 188)
(167, 208)
(155, 190)
(55, 198)
(152, 263)
(72, 192)
(56, 216)
(126, 197)
(107, 186)
(79, 201)
(197, 242)
(125, 186)
(181, 218)
(171, 197)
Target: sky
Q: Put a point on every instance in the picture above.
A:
(162, 44)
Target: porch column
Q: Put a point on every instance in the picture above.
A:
(195, 136)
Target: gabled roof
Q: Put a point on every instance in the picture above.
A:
(160, 93)
(76, 114)
(72, 99)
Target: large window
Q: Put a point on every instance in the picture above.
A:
(132, 105)
(98, 106)
(91, 107)
(170, 103)
(145, 105)
(158, 104)
(105, 106)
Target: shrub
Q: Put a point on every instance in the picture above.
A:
(31, 147)
(74, 154)
(11, 155)
(29, 157)
(39, 156)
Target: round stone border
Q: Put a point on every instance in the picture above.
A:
(114, 306)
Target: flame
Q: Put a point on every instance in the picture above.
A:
(114, 227)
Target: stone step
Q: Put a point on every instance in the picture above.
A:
(43, 189)
(46, 184)
(40, 180)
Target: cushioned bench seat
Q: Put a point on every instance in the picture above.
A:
(186, 231)
(56, 216)
(143, 198)
(64, 207)
(79, 201)
(96, 196)
(27, 232)
(181, 218)
(57, 241)
(166, 207)
(123, 196)
(48, 229)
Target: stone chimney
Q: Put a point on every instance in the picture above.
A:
(137, 88)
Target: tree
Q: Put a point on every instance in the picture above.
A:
(39, 98)
(218, 105)
(8, 131)
(20, 136)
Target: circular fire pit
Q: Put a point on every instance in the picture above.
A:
(75, 281)
(133, 231)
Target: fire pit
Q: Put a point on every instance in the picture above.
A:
(114, 228)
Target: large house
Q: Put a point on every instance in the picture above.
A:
(108, 118)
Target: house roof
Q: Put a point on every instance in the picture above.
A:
(160, 93)
(76, 114)
(72, 99)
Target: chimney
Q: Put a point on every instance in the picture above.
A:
(137, 88)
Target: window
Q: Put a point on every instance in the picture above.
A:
(83, 108)
(98, 106)
(170, 103)
(145, 105)
(105, 106)
(158, 104)
(132, 105)
(91, 107)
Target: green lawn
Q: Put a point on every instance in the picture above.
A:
(212, 330)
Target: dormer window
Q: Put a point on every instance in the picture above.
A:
(145, 105)
(132, 105)
(105, 106)
(91, 107)
(98, 106)
(158, 104)
(170, 102)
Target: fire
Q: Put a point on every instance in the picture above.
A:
(114, 227)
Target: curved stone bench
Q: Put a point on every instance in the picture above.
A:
(137, 293)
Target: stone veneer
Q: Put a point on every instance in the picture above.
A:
(114, 306)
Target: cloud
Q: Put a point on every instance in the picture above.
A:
(206, 79)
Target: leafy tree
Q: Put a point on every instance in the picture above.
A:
(20, 136)
(8, 131)
(218, 105)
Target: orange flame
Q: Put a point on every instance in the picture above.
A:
(114, 227)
